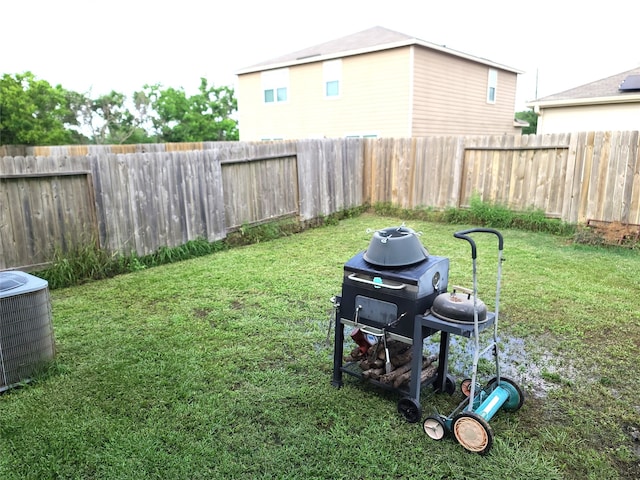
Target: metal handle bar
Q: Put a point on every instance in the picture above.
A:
(377, 334)
(355, 278)
(458, 288)
(464, 235)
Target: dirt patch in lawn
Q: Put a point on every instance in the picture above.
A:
(610, 233)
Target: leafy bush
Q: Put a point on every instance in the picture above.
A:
(88, 262)
(82, 262)
(490, 215)
(484, 214)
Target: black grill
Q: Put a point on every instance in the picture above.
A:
(390, 298)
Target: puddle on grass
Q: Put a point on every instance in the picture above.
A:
(534, 369)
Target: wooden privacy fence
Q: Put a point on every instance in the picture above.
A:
(573, 176)
(139, 202)
(138, 198)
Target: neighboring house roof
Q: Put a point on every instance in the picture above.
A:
(606, 90)
(367, 41)
(519, 123)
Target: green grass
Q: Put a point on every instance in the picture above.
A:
(218, 367)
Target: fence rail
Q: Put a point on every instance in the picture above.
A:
(138, 198)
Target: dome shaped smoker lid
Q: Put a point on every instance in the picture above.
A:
(395, 247)
(458, 307)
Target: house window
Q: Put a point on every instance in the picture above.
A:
(275, 85)
(333, 88)
(332, 75)
(492, 85)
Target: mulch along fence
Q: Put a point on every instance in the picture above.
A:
(138, 198)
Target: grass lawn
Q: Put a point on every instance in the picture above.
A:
(218, 367)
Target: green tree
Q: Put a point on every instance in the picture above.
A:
(530, 117)
(205, 116)
(32, 112)
(111, 119)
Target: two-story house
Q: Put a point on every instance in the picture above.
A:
(376, 83)
(611, 103)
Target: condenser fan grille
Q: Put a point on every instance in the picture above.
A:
(26, 330)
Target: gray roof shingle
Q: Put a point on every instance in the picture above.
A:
(605, 87)
(372, 37)
(375, 38)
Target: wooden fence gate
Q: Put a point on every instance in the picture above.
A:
(42, 212)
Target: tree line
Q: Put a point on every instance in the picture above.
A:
(33, 112)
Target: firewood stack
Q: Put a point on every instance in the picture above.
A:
(373, 363)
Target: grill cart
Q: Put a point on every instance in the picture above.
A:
(385, 292)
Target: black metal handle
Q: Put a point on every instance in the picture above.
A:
(464, 235)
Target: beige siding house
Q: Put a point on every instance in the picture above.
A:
(375, 83)
(609, 104)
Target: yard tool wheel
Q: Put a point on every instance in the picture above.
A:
(465, 387)
(473, 432)
(410, 409)
(434, 427)
(516, 396)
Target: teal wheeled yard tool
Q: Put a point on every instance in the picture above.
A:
(469, 422)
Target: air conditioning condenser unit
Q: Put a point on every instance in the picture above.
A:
(26, 329)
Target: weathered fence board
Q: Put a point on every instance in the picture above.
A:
(40, 213)
(519, 172)
(149, 200)
(258, 181)
(632, 194)
(259, 190)
(330, 176)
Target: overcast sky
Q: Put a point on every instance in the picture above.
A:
(120, 45)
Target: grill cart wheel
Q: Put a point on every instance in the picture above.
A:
(473, 432)
(434, 426)
(449, 385)
(410, 409)
(516, 397)
(465, 387)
